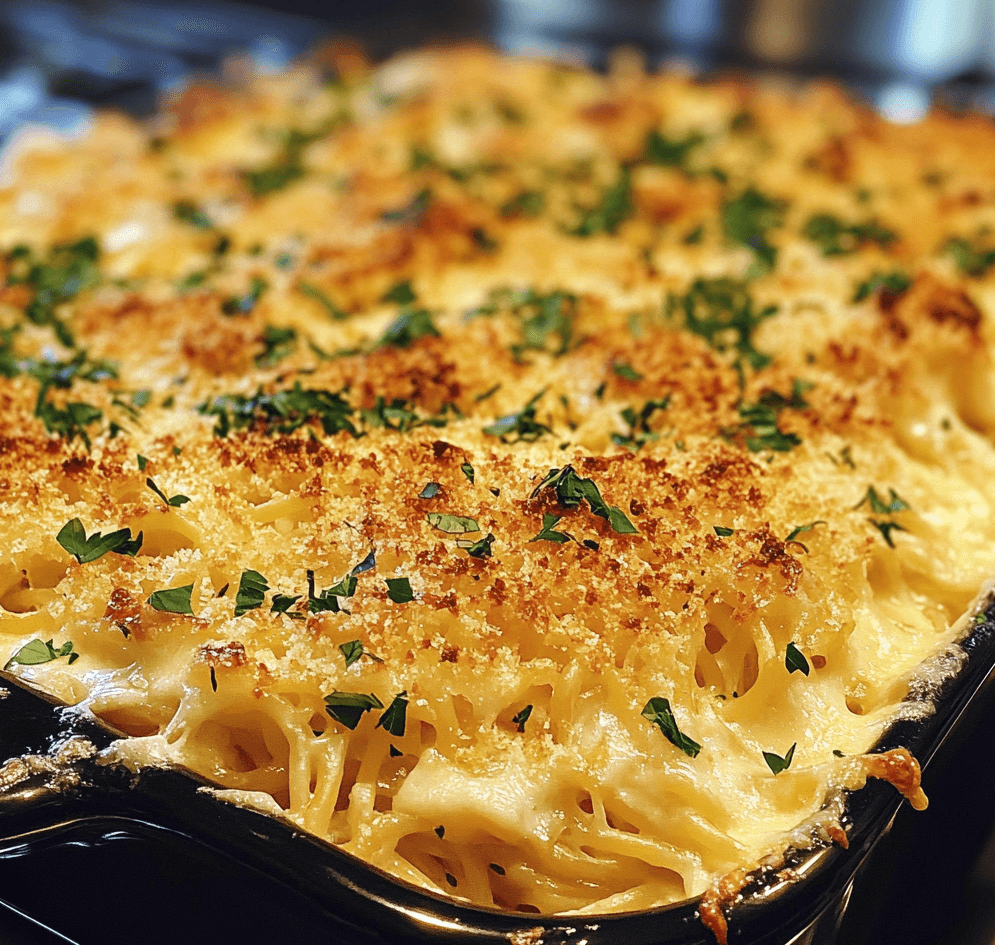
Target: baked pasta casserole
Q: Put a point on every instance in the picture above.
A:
(543, 485)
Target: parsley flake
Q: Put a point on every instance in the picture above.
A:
(886, 528)
(452, 524)
(795, 661)
(776, 763)
(522, 425)
(348, 707)
(174, 501)
(970, 260)
(722, 312)
(548, 531)
(407, 328)
(331, 309)
(430, 491)
(626, 371)
(393, 719)
(353, 651)
(747, 219)
(889, 285)
(658, 711)
(520, 718)
(894, 504)
(607, 215)
(836, 238)
(36, 652)
(399, 590)
(252, 588)
(174, 600)
(477, 549)
(72, 536)
(722, 531)
(467, 471)
(571, 490)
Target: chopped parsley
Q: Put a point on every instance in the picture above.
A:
(68, 421)
(970, 260)
(639, 424)
(412, 213)
(244, 304)
(571, 490)
(36, 652)
(452, 524)
(410, 325)
(545, 322)
(278, 343)
(400, 293)
(353, 651)
(894, 504)
(626, 371)
(467, 471)
(400, 415)
(526, 203)
(886, 527)
(174, 501)
(522, 425)
(721, 311)
(758, 424)
(399, 590)
(187, 212)
(281, 412)
(800, 530)
(288, 164)
(430, 491)
(776, 763)
(348, 707)
(794, 660)
(520, 718)
(747, 220)
(672, 152)
(72, 536)
(331, 309)
(175, 600)
(658, 711)
(888, 284)
(723, 531)
(283, 602)
(836, 238)
(478, 549)
(548, 531)
(252, 588)
(394, 717)
(608, 214)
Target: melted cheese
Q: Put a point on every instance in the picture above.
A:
(421, 251)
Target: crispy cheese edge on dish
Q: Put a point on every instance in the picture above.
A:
(537, 483)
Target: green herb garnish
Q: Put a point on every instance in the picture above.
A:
(776, 763)
(970, 260)
(723, 531)
(348, 707)
(187, 212)
(175, 600)
(174, 501)
(639, 429)
(571, 490)
(721, 311)
(888, 284)
(607, 215)
(467, 471)
(548, 531)
(331, 309)
(72, 537)
(281, 412)
(413, 212)
(658, 711)
(836, 238)
(527, 203)
(520, 718)
(399, 590)
(452, 524)
(894, 504)
(747, 219)
(252, 588)
(393, 719)
(278, 343)
(522, 425)
(244, 304)
(477, 549)
(430, 491)
(794, 660)
(36, 652)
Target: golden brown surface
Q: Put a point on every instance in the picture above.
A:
(735, 311)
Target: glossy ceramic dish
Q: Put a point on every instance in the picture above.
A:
(79, 800)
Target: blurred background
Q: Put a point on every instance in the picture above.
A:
(932, 880)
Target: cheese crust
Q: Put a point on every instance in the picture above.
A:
(556, 478)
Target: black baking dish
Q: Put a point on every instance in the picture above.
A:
(84, 802)
(261, 877)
